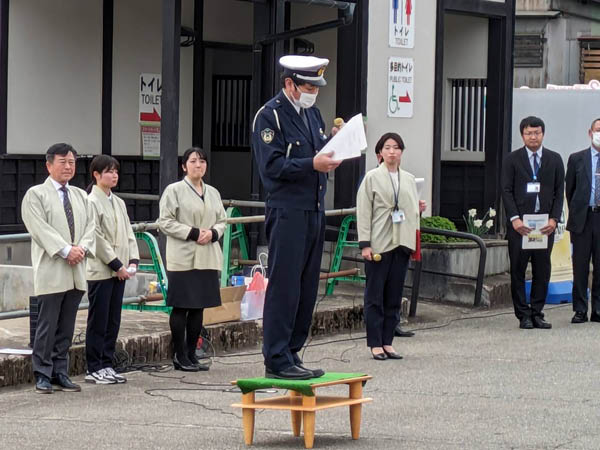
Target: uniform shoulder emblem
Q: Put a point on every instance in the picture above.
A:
(267, 135)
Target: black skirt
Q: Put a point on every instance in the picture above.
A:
(194, 289)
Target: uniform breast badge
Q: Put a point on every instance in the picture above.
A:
(267, 135)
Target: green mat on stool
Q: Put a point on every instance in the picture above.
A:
(303, 386)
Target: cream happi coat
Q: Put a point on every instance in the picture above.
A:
(374, 206)
(114, 236)
(44, 216)
(182, 209)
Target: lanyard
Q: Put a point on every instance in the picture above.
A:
(537, 159)
(396, 191)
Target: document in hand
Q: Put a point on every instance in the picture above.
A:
(420, 183)
(535, 240)
(349, 141)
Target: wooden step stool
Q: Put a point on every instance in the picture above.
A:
(304, 407)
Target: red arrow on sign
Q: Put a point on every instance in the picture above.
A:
(404, 99)
(150, 117)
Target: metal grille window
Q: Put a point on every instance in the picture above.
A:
(468, 114)
(231, 113)
(529, 50)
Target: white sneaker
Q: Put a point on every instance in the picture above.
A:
(110, 372)
(99, 377)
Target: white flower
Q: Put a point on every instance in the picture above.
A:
(478, 223)
(489, 224)
(492, 212)
(472, 212)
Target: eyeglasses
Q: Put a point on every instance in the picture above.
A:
(532, 133)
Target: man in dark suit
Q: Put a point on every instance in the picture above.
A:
(532, 183)
(583, 198)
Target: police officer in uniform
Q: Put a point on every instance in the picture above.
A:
(288, 132)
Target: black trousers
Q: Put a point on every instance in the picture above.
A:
(540, 268)
(586, 246)
(295, 250)
(104, 321)
(54, 332)
(383, 295)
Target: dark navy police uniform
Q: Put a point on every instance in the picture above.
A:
(284, 147)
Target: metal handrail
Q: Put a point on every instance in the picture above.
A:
(482, 259)
(155, 198)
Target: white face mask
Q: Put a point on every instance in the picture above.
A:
(306, 100)
(596, 139)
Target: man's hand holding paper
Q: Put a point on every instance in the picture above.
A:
(348, 141)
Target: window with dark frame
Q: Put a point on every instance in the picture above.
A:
(231, 118)
(529, 50)
(468, 114)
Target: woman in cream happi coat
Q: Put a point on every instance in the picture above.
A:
(193, 219)
(387, 210)
(116, 261)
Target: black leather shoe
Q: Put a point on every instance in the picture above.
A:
(379, 356)
(401, 333)
(538, 322)
(316, 372)
(579, 317)
(526, 323)
(185, 366)
(42, 385)
(595, 317)
(291, 373)
(63, 383)
(393, 355)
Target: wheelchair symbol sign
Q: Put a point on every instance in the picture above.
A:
(400, 87)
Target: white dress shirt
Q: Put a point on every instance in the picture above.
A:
(539, 161)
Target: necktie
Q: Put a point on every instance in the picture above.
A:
(68, 212)
(597, 181)
(304, 119)
(536, 168)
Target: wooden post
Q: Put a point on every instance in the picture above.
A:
(248, 417)
(308, 417)
(296, 416)
(355, 410)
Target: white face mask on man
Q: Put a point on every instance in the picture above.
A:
(596, 139)
(306, 100)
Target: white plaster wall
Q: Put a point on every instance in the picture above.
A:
(567, 115)
(417, 132)
(228, 21)
(137, 48)
(54, 75)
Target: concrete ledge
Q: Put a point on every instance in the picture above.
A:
(148, 339)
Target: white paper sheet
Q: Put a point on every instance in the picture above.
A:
(535, 240)
(15, 351)
(349, 141)
(420, 183)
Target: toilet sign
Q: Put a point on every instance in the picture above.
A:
(400, 87)
(150, 94)
(402, 23)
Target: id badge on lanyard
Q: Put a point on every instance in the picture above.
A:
(398, 215)
(534, 187)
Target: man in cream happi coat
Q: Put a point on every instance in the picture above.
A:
(61, 225)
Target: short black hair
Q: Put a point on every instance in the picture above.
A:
(297, 82)
(532, 122)
(100, 164)
(594, 123)
(395, 136)
(61, 149)
(200, 152)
